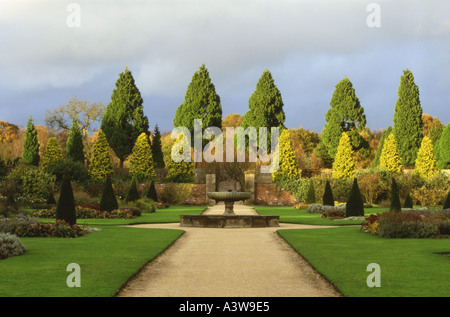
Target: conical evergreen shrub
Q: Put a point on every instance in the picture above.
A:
(408, 202)
(328, 199)
(108, 202)
(311, 194)
(50, 199)
(133, 193)
(65, 210)
(355, 205)
(395, 197)
(447, 202)
(152, 194)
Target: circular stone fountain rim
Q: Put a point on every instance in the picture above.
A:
(230, 196)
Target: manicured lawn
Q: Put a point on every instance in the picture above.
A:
(107, 259)
(408, 267)
(171, 214)
(292, 215)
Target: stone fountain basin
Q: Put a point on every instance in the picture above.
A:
(236, 221)
(229, 196)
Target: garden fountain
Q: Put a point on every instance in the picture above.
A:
(229, 219)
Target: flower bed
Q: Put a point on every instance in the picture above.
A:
(89, 213)
(407, 224)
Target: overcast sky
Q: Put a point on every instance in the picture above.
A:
(309, 46)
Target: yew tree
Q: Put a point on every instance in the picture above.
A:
(124, 118)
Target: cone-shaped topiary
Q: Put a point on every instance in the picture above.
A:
(108, 201)
(447, 202)
(355, 205)
(395, 198)
(133, 193)
(152, 194)
(408, 202)
(328, 199)
(311, 194)
(50, 199)
(65, 210)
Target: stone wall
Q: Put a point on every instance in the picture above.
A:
(270, 194)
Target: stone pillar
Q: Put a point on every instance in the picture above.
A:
(210, 187)
(250, 186)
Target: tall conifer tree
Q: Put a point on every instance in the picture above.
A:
(158, 156)
(200, 102)
(74, 145)
(265, 107)
(345, 115)
(124, 118)
(384, 135)
(408, 126)
(30, 144)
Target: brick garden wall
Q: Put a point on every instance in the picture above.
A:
(269, 194)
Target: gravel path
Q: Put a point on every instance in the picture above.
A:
(229, 262)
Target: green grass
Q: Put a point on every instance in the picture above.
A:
(292, 215)
(409, 267)
(167, 215)
(107, 259)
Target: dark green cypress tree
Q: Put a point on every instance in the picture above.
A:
(345, 115)
(74, 145)
(200, 102)
(108, 201)
(328, 198)
(311, 193)
(65, 210)
(124, 118)
(30, 144)
(133, 193)
(265, 107)
(152, 194)
(158, 156)
(408, 202)
(355, 205)
(395, 197)
(408, 125)
(50, 199)
(447, 202)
